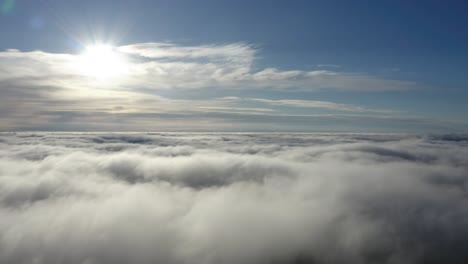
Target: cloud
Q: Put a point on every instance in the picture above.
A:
(230, 53)
(47, 91)
(329, 66)
(311, 104)
(232, 198)
(167, 66)
(255, 110)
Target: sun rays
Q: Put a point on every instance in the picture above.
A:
(102, 61)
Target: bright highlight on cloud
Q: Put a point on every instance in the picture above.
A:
(102, 62)
(165, 66)
(232, 198)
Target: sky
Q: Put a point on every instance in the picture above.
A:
(319, 66)
(180, 132)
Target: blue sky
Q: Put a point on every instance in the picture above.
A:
(383, 66)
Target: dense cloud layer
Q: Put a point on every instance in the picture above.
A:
(233, 198)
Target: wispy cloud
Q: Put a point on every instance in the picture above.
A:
(329, 66)
(235, 53)
(312, 104)
(164, 66)
(38, 89)
(324, 104)
(243, 109)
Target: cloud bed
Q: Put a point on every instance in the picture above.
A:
(233, 198)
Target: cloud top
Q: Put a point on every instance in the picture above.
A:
(232, 198)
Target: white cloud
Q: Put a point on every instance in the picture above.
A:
(232, 198)
(40, 90)
(233, 53)
(311, 104)
(163, 66)
(238, 109)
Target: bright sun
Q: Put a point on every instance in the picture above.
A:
(101, 61)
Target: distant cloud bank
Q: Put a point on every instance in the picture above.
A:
(233, 198)
(217, 87)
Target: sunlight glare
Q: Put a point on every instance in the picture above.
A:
(101, 61)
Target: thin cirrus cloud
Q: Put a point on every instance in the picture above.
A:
(311, 104)
(165, 66)
(231, 66)
(329, 66)
(237, 52)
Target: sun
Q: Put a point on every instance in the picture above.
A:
(102, 62)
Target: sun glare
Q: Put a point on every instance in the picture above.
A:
(101, 61)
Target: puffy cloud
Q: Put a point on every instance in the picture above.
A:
(233, 198)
